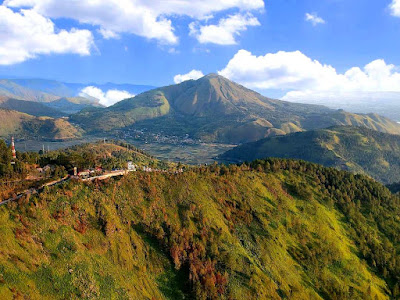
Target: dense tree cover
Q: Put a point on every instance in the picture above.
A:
(5, 159)
(7, 170)
(112, 155)
(270, 229)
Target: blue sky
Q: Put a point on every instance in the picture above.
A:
(351, 33)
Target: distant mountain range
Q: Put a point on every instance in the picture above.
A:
(61, 96)
(32, 108)
(211, 109)
(356, 149)
(215, 109)
(43, 90)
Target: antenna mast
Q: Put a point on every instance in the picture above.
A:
(14, 153)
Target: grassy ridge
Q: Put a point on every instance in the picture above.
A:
(277, 229)
(29, 107)
(27, 126)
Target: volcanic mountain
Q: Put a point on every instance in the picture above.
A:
(216, 109)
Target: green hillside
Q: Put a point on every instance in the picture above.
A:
(29, 107)
(356, 149)
(278, 230)
(26, 126)
(215, 109)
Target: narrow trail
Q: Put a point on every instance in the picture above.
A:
(33, 191)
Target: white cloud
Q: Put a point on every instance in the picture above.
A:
(302, 77)
(194, 74)
(395, 8)
(314, 19)
(146, 18)
(27, 34)
(225, 32)
(108, 34)
(109, 98)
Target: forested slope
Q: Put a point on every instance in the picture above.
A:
(275, 229)
(356, 149)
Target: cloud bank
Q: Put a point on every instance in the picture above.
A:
(106, 98)
(225, 32)
(194, 74)
(303, 77)
(27, 34)
(146, 18)
(395, 8)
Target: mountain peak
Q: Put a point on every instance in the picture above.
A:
(213, 76)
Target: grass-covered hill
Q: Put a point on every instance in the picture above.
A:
(276, 230)
(356, 149)
(216, 109)
(26, 126)
(30, 107)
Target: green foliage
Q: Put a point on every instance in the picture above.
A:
(271, 229)
(112, 155)
(5, 159)
(355, 149)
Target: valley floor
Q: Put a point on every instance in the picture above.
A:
(201, 153)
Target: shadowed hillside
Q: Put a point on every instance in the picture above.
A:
(72, 105)
(216, 109)
(29, 107)
(356, 149)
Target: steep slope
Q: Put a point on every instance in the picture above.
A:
(356, 149)
(12, 122)
(211, 233)
(125, 113)
(26, 126)
(216, 109)
(29, 107)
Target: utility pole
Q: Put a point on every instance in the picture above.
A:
(14, 154)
